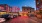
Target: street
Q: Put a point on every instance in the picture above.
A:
(20, 11)
(24, 19)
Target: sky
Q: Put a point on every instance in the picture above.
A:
(19, 3)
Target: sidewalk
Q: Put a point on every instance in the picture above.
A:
(36, 19)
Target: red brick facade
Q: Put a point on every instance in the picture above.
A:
(38, 4)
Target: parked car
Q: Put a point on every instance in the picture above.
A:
(19, 15)
(15, 16)
(2, 20)
(6, 17)
(11, 16)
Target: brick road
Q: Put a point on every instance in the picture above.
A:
(24, 19)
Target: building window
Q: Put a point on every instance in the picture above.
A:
(28, 12)
(37, 8)
(27, 9)
(37, 3)
(24, 9)
(40, 11)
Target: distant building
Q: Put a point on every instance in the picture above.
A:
(10, 9)
(15, 10)
(27, 9)
(39, 6)
(4, 9)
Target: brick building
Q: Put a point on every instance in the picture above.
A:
(4, 7)
(27, 9)
(38, 4)
(15, 10)
(39, 8)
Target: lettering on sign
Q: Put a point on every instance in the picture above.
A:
(15, 9)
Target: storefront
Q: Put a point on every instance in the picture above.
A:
(23, 13)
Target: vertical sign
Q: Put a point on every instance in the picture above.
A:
(10, 9)
(0, 7)
(7, 8)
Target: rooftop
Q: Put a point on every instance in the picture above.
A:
(27, 7)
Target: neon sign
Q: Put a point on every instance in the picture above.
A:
(15, 9)
(1, 8)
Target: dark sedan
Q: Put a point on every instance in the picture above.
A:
(6, 16)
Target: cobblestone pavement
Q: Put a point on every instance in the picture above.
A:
(25, 19)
